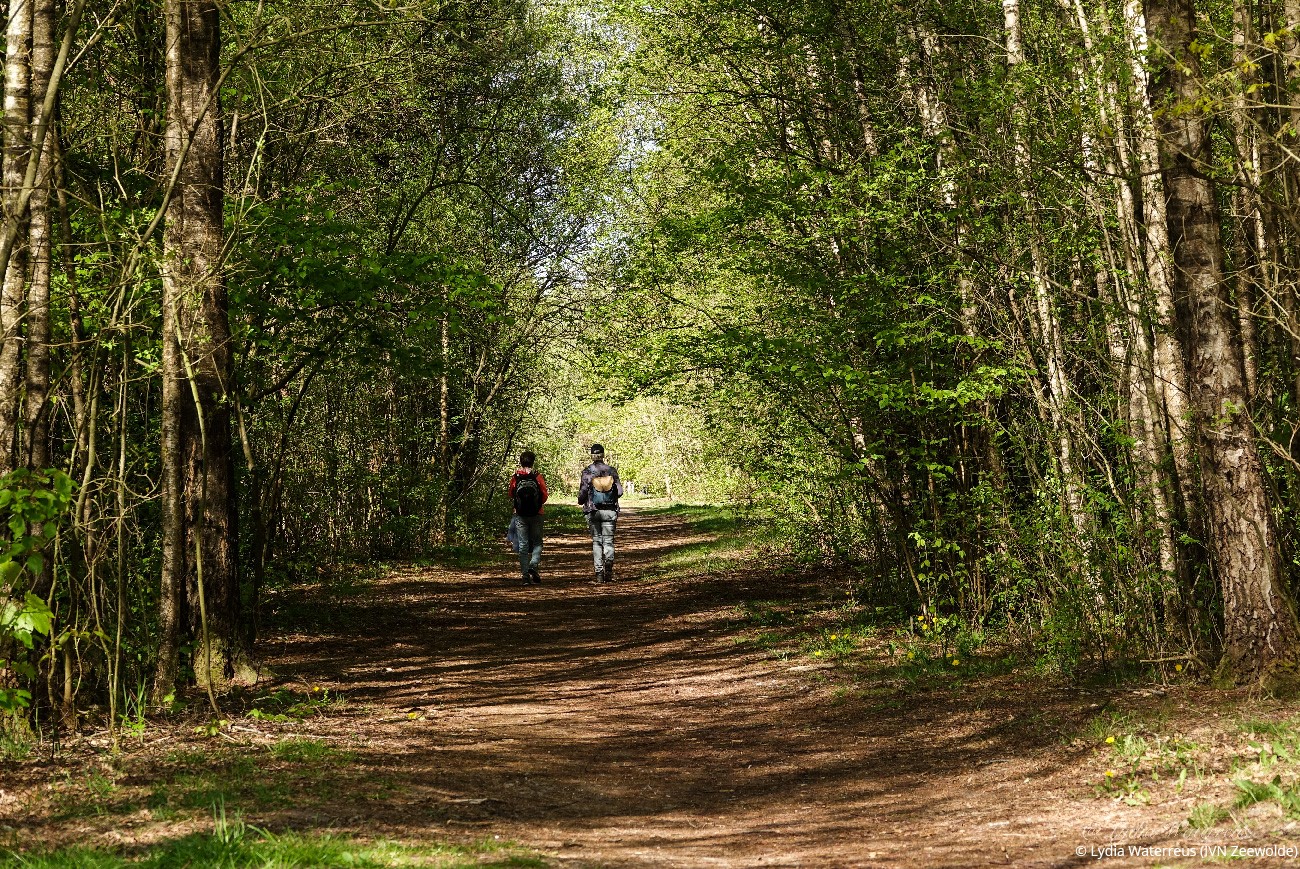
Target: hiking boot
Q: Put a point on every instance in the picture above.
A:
(600, 578)
(534, 577)
(609, 572)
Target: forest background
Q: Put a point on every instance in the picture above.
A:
(989, 306)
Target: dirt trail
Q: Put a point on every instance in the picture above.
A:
(622, 725)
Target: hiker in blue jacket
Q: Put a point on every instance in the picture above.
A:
(598, 493)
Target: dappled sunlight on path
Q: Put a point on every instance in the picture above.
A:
(623, 725)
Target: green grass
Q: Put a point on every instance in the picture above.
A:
(766, 614)
(563, 519)
(1207, 815)
(732, 539)
(234, 845)
(1287, 796)
(705, 518)
(285, 704)
(304, 750)
(1108, 725)
(302, 769)
(1284, 735)
(294, 771)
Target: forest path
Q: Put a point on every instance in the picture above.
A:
(623, 725)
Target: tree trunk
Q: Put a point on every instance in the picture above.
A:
(198, 361)
(1045, 327)
(36, 425)
(1249, 220)
(17, 147)
(1261, 635)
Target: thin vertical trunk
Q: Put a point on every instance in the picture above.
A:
(76, 362)
(172, 600)
(1170, 357)
(444, 431)
(1132, 349)
(1261, 634)
(1246, 196)
(1045, 327)
(1290, 79)
(17, 148)
(35, 416)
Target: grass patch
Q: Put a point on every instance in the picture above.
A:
(235, 845)
(285, 704)
(732, 538)
(1207, 816)
(304, 750)
(294, 771)
(765, 614)
(706, 518)
(92, 794)
(1286, 796)
(560, 519)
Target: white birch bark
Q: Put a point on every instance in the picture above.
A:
(17, 147)
(1045, 326)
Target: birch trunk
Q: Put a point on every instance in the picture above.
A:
(1133, 348)
(1046, 329)
(1170, 374)
(17, 147)
(35, 416)
(1249, 220)
(1261, 635)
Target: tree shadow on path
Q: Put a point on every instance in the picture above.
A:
(623, 725)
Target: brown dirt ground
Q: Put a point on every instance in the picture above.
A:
(625, 726)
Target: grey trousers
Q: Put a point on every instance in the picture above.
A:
(601, 523)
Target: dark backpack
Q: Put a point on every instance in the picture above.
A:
(604, 494)
(528, 495)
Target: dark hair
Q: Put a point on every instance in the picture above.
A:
(526, 459)
(597, 450)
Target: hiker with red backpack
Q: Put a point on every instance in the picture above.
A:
(598, 493)
(528, 494)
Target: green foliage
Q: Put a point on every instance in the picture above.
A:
(234, 844)
(32, 504)
(1287, 796)
(285, 704)
(1207, 816)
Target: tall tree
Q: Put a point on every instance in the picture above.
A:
(1261, 634)
(17, 148)
(200, 581)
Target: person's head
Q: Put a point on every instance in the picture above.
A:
(597, 453)
(526, 459)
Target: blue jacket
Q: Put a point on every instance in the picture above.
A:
(596, 469)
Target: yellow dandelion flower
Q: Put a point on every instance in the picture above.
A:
(817, 654)
(1110, 773)
(1110, 740)
(1178, 668)
(835, 636)
(911, 655)
(955, 662)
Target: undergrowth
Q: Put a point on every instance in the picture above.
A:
(233, 844)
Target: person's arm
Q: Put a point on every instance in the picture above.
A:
(618, 484)
(514, 479)
(541, 484)
(584, 488)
